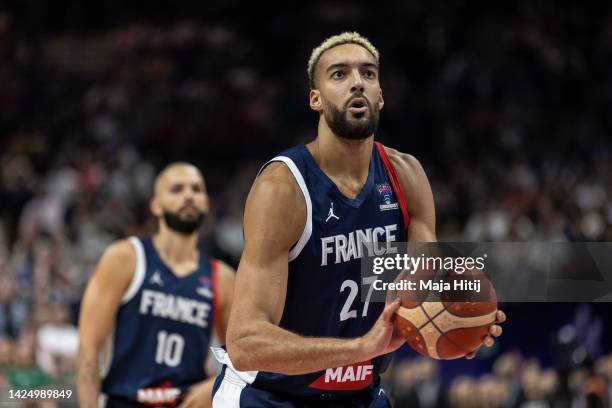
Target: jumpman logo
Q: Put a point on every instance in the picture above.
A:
(331, 214)
(156, 279)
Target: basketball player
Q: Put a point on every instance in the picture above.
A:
(298, 335)
(161, 298)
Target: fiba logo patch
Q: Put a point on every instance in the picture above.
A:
(385, 192)
(204, 288)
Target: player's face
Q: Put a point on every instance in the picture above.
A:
(347, 91)
(181, 199)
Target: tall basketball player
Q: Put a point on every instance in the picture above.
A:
(298, 335)
(157, 300)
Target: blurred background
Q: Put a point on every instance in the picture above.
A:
(508, 107)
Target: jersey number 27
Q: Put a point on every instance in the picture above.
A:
(348, 313)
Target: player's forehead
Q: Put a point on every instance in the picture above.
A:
(179, 174)
(349, 54)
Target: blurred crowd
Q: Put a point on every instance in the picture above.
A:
(508, 107)
(574, 371)
(513, 382)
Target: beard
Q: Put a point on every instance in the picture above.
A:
(182, 225)
(345, 125)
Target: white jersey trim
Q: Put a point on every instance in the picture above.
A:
(223, 357)
(139, 273)
(229, 392)
(301, 243)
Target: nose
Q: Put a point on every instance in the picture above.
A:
(188, 195)
(357, 81)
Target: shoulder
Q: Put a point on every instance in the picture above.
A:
(276, 189)
(408, 168)
(277, 177)
(121, 252)
(122, 249)
(119, 260)
(275, 210)
(418, 195)
(115, 270)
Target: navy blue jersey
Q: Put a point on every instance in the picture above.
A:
(324, 291)
(163, 330)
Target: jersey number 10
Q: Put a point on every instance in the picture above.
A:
(169, 348)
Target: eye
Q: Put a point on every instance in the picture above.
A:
(370, 74)
(197, 188)
(175, 189)
(337, 74)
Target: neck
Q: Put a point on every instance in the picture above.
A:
(341, 157)
(173, 246)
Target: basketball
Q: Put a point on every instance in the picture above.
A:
(447, 325)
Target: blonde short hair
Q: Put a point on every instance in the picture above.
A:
(333, 41)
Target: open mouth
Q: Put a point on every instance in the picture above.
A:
(189, 209)
(358, 106)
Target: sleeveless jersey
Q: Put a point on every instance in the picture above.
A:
(162, 331)
(324, 282)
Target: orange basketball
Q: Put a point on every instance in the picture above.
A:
(437, 325)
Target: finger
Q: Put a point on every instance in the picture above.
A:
(470, 355)
(488, 341)
(391, 296)
(500, 317)
(390, 310)
(495, 330)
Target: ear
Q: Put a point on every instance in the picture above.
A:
(155, 207)
(315, 100)
(381, 101)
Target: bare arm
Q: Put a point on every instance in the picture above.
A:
(99, 307)
(275, 215)
(225, 280)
